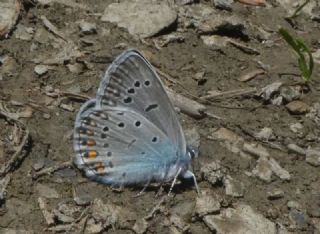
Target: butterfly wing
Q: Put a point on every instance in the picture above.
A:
(131, 82)
(130, 133)
(119, 146)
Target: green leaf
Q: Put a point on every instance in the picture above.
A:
(301, 50)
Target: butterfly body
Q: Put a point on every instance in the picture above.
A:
(130, 133)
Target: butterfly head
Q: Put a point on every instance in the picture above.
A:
(192, 152)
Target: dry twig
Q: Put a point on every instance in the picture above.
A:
(49, 170)
(18, 155)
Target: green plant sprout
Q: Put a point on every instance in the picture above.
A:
(301, 50)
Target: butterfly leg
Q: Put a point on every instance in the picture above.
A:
(174, 181)
(143, 190)
(189, 174)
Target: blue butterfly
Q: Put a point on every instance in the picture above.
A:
(130, 134)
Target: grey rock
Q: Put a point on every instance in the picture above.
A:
(293, 205)
(223, 4)
(296, 149)
(290, 93)
(46, 116)
(69, 209)
(269, 91)
(265, 134)
(9, 13)
(277, 101)
(275, 194)
(297, 107)
(66, 172)
(62, 217)
(38, 165)
(233, 187)
(296, 127)
(256, 150)
(241, 220)
(213, 173)
(184, 209)
(46, 191)
(179, 223)
(67, 107)
(263, 170)
(82, 193)
(222, 22)
(278, 170)
(24, 33)
(88, 28)
(313, 157)
(206, 204)
(142, 18)
(75, 68)
(41, 69)
(107, 215)
(298, 219)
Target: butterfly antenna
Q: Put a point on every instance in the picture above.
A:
(174, 181)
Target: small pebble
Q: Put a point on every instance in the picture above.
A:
(46, 116)
(293, 205)
(88, 28)
(275, 194)
(313, 157)
(206, 204)
(296, 127)
(297, 107)
(41, 69)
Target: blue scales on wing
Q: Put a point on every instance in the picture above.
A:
(130, 133)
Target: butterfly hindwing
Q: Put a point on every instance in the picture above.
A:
(120, 146)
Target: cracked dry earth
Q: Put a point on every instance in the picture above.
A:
(259, 164)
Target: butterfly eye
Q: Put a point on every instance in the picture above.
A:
(154, 139)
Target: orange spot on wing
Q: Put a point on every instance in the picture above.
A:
(99, 167)
(89, 132)
(92, 154)
(91, 142)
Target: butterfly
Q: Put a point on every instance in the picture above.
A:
(130, 133)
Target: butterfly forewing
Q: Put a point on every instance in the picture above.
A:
(132, 83)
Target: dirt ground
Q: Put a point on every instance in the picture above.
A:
(49, 98)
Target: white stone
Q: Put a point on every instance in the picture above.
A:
(241, 220)
(142, 18)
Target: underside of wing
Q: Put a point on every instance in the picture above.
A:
(131, 82)
(119, 146)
